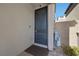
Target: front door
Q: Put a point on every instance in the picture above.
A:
(41, 26)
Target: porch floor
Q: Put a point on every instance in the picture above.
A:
(39, 51)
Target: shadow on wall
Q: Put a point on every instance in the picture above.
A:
(72, 23)
(63, 28)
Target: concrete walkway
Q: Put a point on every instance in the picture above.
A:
(56, 52)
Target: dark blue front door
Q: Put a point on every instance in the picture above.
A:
(41, 26)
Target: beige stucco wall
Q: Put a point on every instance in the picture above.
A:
(51, 18)
(69, 28)
(73, 15)
(63, 29)
(16, 28)
(73, 38)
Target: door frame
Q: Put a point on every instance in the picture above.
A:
(41, 45)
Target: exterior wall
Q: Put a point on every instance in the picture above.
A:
(63, 28)
(69, 28)
(16, 28)
(73, 15)
(51, 13)
(73, 38)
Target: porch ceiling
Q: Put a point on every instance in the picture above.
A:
(39, 5)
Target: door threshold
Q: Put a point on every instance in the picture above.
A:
(44, 46)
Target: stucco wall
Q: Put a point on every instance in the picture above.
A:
(63, 28)
(74, 15)
(51, 18)
(16, 28)
(73, 38)
(67, 30)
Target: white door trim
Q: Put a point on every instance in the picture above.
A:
(40, 45)
(51, 17)
(44, 46)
